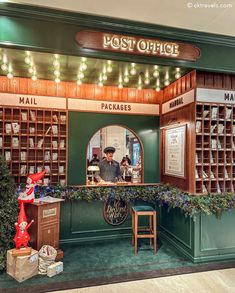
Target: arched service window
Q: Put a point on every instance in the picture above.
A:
(114, 155)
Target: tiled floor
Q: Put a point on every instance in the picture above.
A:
(206, 282)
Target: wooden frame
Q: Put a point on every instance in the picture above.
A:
(179, 151)
(34, 139)
(215, 148)
(141, 148)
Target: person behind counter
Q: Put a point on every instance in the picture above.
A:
(126, 169)
(95, 160)
(109, 168)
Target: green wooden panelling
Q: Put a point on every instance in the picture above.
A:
(82, 126)
(83, 221)
(177, 224)
(49, 30)
(207, 238)
(217, 233)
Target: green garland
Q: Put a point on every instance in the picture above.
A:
(160, 194)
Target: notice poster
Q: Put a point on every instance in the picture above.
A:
(175, 151)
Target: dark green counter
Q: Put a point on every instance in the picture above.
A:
(83, 221)
(206, 238)
(203, 239)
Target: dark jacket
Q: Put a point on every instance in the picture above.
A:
(109, 171)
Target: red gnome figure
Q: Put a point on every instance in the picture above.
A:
(22, 236)
(27, 196)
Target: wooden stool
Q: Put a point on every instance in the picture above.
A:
(152, 230)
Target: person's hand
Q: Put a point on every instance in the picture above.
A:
(101, 182)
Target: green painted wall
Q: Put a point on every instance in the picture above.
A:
(82, 126)
(54, 31)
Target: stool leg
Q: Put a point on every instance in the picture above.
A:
(155, 231)
(136, 231)
(150, 229)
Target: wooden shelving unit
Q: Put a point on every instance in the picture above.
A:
(215, 148)
(32, 140)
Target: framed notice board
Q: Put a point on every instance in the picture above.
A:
(175, 144)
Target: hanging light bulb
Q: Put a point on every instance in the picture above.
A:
(166, 81)
(126, 79)
(31, 63)
(120, 80)
(84, 66)
(30, 70)
(79, 82)
(100, 78)
(120, 85)
(156, 71)
(81, 75)
(126, 75)
(100, 84)
(158, 82)
(178, 74)
(9, 68)
(147, 80)
(4, 67)
(104, 73)
(34, 77)
(84, 59)
(139, 83)
(109, 67)
(56, 61)
(167, 75)
(158, 89)
(57, 72)
(27, 59)
(9, 75)
(4, 58)
(133, 69)
(57, 80)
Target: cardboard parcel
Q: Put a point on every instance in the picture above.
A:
(22, 268)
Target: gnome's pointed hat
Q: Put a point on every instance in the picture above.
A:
(37, 176)
(22, 216)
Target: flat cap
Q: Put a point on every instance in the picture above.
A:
(109, 150)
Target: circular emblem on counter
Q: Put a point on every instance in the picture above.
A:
(115, 211)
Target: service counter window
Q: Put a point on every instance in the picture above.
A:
(114, 156)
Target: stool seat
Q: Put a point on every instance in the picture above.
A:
(150, 232)
(142, 208)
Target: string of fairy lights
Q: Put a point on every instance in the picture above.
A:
(126, 74)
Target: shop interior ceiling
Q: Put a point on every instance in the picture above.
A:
(36, 65)
(211, 16)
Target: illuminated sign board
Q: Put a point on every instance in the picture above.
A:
(136, 45)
